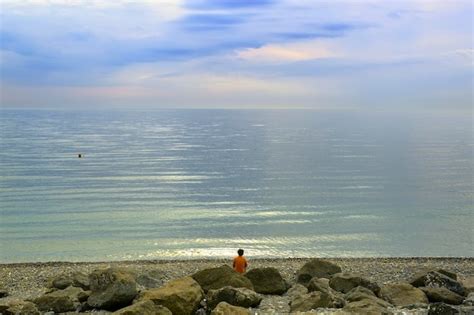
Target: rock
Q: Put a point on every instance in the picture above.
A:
(442, 309)
(147, 281)
(316, 268)
(181, 296)
(144, 308)
(112, 288)
(61, 282)
(310, 301)
(469, 301)
(81, 280)
(344, 282)
(435, 279)
(360, 293)
(468, 283)
(61, 301)
(447, 273)
(442, 295)
(402, 293)
(19, 307)
(274, 304)
(267, 280)
(235, 296)
(224, 308)
(319, 284)
(366, 306)
(296, 290)
(216, 278)
(322, 285)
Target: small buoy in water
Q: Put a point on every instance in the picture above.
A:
(79, 155)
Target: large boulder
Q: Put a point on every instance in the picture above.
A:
(316, 268)
(360, 293)
(235, 296)
(322, 285)
(81, 280)
(112, 288)
(436, 279)
(181, 296)
(149, 279)
(274, 304)
(61, 301)
(224, 308)
(310, 301)
(18, 307)
(296, 290)
(216, 278)
(60, 282)
(365, 306)
(267, 280)
(144, 308)
(344, 282)
(402, 294)
(442, 295)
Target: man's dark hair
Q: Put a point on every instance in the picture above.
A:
(240, 252)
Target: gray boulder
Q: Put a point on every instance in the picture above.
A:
(296, 290)
(344, 282)
(365, 306)
(435, 279)
(402, 294)
(322, 285)
(267, 280)
(18, 307)
(360, 293)
(61, 282)
(316, 268)
(224, 308)
(81, 280)
(61, 301)
(310, 301)
(442, 295)
(180, 296)
(235, 296)
(144, 308)
(112, 288)
(216, 278)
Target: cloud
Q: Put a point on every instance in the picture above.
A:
(286, 53)
(221, 52)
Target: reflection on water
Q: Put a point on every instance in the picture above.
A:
(200, 183)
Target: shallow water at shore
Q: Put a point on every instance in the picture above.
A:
(201, 183)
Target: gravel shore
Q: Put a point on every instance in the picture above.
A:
(28, 280)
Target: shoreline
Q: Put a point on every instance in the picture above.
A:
(223, 259)
(29, 280)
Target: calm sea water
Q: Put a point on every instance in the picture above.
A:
(202, 183)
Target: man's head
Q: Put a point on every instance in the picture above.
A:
(240, 252)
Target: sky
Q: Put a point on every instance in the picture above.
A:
(339, 54)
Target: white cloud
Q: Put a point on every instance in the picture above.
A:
(287, 52)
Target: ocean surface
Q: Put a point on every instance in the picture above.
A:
(202, 183)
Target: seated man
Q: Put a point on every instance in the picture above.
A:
(240, 263)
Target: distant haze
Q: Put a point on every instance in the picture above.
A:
(376, 55)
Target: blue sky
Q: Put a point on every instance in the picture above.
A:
(382, 55)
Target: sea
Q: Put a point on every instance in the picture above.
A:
(192, 184)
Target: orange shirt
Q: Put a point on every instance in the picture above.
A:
(240, 263)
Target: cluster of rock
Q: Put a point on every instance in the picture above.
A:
(320, 287)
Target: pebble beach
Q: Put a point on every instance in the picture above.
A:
(29, 280)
